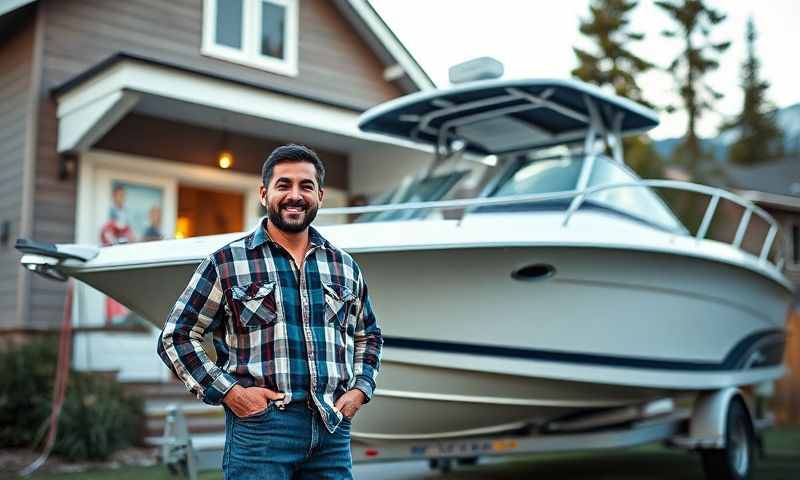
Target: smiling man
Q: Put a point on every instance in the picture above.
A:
(298, 346)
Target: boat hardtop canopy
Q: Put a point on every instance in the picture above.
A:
(495, 117)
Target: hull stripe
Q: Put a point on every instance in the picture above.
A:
(761, 349)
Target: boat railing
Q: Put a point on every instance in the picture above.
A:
(579, 197)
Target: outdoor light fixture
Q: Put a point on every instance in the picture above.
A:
(225, 156)
(67, 165)
(225, 159)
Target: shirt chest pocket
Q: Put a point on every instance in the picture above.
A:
(338, 301)
(254, 303)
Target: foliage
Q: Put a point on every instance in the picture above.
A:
(699, 57)
(613, 63)
(760, 138)
(26, 387)
(97, 418)
(616, 66)
(643, 158)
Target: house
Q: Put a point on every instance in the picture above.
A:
(775, 187)
(138, 120)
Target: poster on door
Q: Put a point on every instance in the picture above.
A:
(134, 215)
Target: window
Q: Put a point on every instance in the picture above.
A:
(256, 33)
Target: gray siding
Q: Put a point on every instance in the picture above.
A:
(334, 64)
(15, 78)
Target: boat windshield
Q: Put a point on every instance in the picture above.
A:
(428, 189)
(561, 174)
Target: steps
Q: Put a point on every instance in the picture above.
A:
(205, 422)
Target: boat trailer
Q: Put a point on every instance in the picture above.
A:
(722, 425)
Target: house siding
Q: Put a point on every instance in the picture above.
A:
(334, 65)
(16, 54)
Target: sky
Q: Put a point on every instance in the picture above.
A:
(534, 39)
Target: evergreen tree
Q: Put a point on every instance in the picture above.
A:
(613, 64)
(760, 139)
(699, 57)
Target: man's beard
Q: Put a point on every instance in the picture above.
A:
(276, 218)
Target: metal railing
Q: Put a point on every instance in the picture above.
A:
(579, 197)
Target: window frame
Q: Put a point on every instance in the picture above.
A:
(250, 55)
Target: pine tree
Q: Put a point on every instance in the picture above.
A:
(760, 139)
(697, 59)
(614, 65)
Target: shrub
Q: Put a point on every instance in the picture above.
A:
(26, 389)
(96, 419)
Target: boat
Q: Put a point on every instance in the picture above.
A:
(562, 294)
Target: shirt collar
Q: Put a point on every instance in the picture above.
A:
(261, 236)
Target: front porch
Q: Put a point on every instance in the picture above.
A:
(144, 139)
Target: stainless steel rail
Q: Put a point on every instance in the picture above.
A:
(580, 197)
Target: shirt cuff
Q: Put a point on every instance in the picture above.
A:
(217, 390)
(365, 385)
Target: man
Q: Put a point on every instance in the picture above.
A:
(298, 346)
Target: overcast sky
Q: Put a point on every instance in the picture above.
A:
(534, 38)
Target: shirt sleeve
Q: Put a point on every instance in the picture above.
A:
(199, 310)
(368, 343)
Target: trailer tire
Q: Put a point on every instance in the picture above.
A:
(735, 461)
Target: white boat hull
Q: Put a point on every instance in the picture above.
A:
(469, 349)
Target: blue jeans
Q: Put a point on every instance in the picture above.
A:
(285, 444)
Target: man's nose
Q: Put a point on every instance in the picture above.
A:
(294, 194)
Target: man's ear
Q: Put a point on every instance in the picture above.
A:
(262, 195)
(321, 195)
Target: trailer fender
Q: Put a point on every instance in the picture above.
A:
(709, 417)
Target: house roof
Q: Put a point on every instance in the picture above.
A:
(367, 23)
(780, 177)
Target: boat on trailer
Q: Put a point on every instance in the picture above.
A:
(565, 296)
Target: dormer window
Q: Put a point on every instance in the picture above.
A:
(256, 33)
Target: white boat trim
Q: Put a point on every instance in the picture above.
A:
(487, 400)
(474, 432)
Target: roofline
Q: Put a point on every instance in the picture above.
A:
(119, 57)
(365, 11)
(386, 36)
(786, 202)
(11, 5)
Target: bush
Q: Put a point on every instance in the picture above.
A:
(26, 389)
(96, 419)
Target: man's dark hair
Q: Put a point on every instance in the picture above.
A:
(292, 153)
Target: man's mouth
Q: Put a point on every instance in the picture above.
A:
(294, 209)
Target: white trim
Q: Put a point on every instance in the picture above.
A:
(783, 201)
(94, 161)
(193, 88)
(7, 6)
(250, 55)
(84, 125)
(392, 44)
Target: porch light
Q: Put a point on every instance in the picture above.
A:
(182, 227)
(225, 159)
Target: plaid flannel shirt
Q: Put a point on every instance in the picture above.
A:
(309, 333)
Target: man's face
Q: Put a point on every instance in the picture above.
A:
(292, 197)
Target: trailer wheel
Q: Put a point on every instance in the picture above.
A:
(735, 460)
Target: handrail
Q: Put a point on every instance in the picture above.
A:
(580, 196)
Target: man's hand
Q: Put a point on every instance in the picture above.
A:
(350, 402)
(249, 401)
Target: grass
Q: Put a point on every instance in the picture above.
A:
(650, 462)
